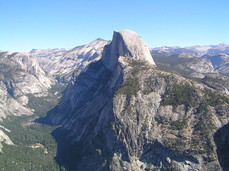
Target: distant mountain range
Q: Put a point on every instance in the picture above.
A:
(123, 109)
(197, 51)
(213, 58)
(61, 63)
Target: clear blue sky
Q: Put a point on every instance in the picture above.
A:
(39, 24)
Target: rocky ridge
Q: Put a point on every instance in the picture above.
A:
(20, 76)
(23, 75)
(210, 69)
(9, 106)
(27, 77)
(123, 113)
(61, 63)
(122, 107)
(215, 56)
(220, 61)
(197, 51)
(186, 65)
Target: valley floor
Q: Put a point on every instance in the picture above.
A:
(34, 147)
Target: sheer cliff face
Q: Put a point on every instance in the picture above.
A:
(10, 106)
(88, 81)
(128, 44)
(125, 114)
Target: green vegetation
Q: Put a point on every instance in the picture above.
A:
(57, 89)
(137, 66)
(205, 125)
(25, 134)
(203, 129)
(173, 63)
(180, 94)
(165, 166)
(216, 82)
(42, 105)
(174, 125)
(178, 125)
(214, 98)
(187, 95)
(129, 88)
(131, 85)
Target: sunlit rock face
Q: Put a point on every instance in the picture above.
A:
(61, 63)
(22, 75)
(128, 44)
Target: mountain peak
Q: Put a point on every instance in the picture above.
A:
(126, 43)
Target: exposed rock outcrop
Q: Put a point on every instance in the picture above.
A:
(22, 75)
(123, 113)
(184, 64)
(5, 139)
(220, 61)
(10, 106)
(125, 43)
(61, 63)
